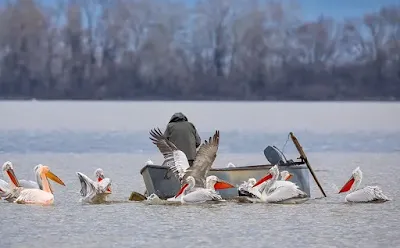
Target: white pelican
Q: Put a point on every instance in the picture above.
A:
(281, 191)
(177, 161)
(193, 179)
(200, 195)
(44, 195)
(94, 192)
(247, 189)
(8, 171)
(366, 194)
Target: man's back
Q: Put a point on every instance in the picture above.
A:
(183, 134)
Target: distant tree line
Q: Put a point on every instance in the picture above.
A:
(214, 49)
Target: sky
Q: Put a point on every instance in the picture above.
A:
(341, 9)
(338, 9)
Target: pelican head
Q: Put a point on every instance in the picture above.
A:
(8, 170)
(43, 173)
(251, 181)
(213, 182)
(272, 175)
(189, 183)
(99, 174)
(353, 182)
(285, 175)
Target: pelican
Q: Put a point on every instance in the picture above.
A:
(94, 192)
(177, 161)
(281, 191)
(246, 188)
(99, 174)
(366, 194)
(43, 195)
(8, 171)
(193, 179)
(9, 191)
(201, 195)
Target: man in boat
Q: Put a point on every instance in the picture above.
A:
(184, 135)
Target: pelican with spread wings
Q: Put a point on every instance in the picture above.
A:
(92, 191)
(177, 161)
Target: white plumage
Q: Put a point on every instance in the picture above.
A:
(181, 164)
(35, 196)
(200, 195)
(44, 195)
(28, 184)
(366, 194)
(8, 172)
(94, 192)
(269, 189)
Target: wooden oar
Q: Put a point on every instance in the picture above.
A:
(304, 157)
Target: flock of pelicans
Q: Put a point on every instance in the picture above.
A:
(196, 186)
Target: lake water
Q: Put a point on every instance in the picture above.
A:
(82, 136)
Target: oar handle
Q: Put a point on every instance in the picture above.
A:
(304, 157)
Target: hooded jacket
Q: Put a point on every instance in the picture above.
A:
(183, 134)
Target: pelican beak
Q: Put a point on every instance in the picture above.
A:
(53, 177)
(13, 178)
(267, 177)
(348, 185)
(220, 184)
(181, 190)
(288, 177)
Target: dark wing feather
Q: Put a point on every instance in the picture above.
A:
(205, 158)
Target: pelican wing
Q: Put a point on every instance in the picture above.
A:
(174, 158)
(285, 192)
(28, 184)
(11, 194)
(246, 189)
(202, 195)
(281, 183)
(4, 185)
(205, 158)
(367, 194)
(4, 191)
(35, 196)
(87, 184)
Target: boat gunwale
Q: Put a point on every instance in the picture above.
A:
(292, 165)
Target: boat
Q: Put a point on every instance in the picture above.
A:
(161, 181)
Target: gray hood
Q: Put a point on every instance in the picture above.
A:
(178, 117)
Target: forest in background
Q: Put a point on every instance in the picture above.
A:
(212, 50)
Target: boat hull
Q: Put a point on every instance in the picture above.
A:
(162, 182)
